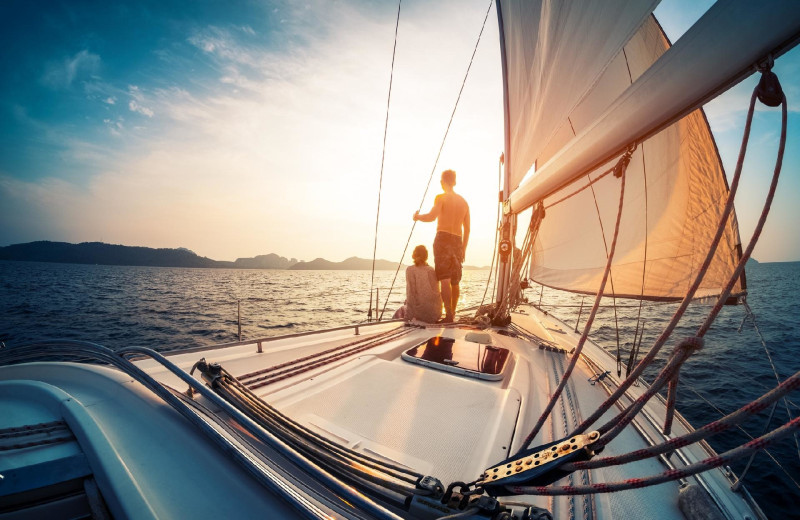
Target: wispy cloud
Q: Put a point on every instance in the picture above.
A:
(297, 122)
(62, 73)
(136, 103)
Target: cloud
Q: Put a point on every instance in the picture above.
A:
(61, 74)
(221, 44)
(293, 134)
(115, 127)
(135, 104)
(110, 100)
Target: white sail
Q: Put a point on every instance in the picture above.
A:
(676, 186)
(675, 194)
(721, 49)
(549, 69)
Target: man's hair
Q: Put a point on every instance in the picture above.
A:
(449, 177)
(420, 255)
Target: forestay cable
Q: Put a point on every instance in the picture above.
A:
(383, 157)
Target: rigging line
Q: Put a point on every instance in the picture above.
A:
(709, 463)
(734, 278)
(667, 332)
(725, 423)
(759, 225)
(496, 228)
(769, 357)
(582, 188)
(747, 434)
(505, 300)
(587, 327)
(621, 306)
(634, 353)
(383, 155)
(514, 289)
(610, 275)
(680, 354)
(438, 155)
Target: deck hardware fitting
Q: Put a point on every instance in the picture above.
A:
(538, 466)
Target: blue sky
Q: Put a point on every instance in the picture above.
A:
(243, 128)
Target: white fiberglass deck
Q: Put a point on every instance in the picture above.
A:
(148, 460)
(453, 427)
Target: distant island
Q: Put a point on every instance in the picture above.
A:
(112, 254)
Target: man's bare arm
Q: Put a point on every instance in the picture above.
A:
(465, 239)
(432, 215)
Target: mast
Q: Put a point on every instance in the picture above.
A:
(504, 266)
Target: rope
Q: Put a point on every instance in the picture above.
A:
(672, 394)
(665, 334)
(316, 355)
(634, 353)
(605, 246)
(291, 372)
(495, 252)
(40, 442)
(512, 293)
(615, 426)
(577, 352)
(720, 425)
(438, 155)
(766, 452)
(383, 156)
(251, 403)
(32, 429)
(71, 348)
(670, 475)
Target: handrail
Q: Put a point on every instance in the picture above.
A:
(265, 339)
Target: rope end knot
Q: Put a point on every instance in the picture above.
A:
(691, 344)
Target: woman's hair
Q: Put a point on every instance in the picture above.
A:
(420, 255)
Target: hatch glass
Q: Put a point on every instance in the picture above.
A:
(461, 357)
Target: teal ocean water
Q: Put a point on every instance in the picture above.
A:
(169, 308)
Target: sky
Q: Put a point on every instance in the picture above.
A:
(250, 127)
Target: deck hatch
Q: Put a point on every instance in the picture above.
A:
(460, 357)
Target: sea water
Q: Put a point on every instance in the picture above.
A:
(171, 308)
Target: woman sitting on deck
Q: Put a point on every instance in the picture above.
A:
(423, 301)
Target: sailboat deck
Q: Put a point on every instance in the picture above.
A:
(453, 427)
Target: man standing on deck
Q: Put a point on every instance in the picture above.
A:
(452, 234)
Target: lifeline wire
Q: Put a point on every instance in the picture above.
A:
(496, 234)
